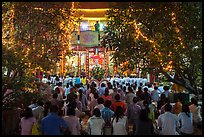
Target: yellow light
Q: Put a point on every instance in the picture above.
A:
(92, 10)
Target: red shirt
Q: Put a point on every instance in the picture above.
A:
(109, 97)
(114, 105)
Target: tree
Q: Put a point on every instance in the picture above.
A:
(165, 36)
(34, 35)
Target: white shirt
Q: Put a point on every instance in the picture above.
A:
(195, 110)
(95, 125)
(119, 128)
(99, 106)
(168, 123)
(155, 95)
(186, 123)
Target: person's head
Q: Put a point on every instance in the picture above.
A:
(163, 97)
(179, 98)
(117, 97)
(57, 90)
(107, 103)
(100, 100)
(166, 88)
(143, 115)
(72, 104)
(168, 107)
(194, 101)
(130, 89)
(96, 95)
(155, 87)
(55, 95)
(54, 108)
(139, 88)
(97, 112)
(71, 112)
(145, 89)
(135, 100)
(185, 109)
(28, 113)
(40, 103)
(103, 84)
(106, 92)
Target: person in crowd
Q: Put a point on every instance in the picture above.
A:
(162, 110)
(100, 103)
(83, 99)
(110, 88)
(195, 109)
(53, 124)
(133, 112)
(168, 122)
(177, 107)
(117, 103)
(166, 91)
(120, 122)
(147, 96)
(33, 104)
(129, 96)
(160, 103)
(46, 106)
(27, 121)
(93, 103)
(144, 125)
(106, 112)
(115, 91)
(38, 111)
(101, 90)
(55, 101)
(139, 93)
(73, 122)
(161, 88)
(73, 105)
(186, 120)
(66, 89)
(106, 95)
(155, 94)
(79, 104)
(95, 124)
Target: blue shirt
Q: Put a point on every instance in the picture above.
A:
(106, 114)
(50, 125)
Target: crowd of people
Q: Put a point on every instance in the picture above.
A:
(112, 106)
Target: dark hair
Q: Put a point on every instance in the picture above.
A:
(55, 95)
(54, 108)
(168, 107)
(155, 87)
(106, 92)
(96, 95)
(185, 108)
(57, 90)
(40, 103)
(145, 89)
(130, 89)
(139, 88)
(119, 113)
(97, 112)
(100, 100)
(103, 84)
(72, 104)
(28, 113)
(117, 97)
(107, 103)
(143, 115)
(71, 112)
(194, 101)
(135, 99)
(163, 97)
(166, 87)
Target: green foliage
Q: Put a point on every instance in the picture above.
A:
(97, 72)
(175, 28)
(19, 98)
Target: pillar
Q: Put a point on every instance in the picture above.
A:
(87, 64)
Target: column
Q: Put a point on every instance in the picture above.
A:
(79, 63)
(87, 64)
